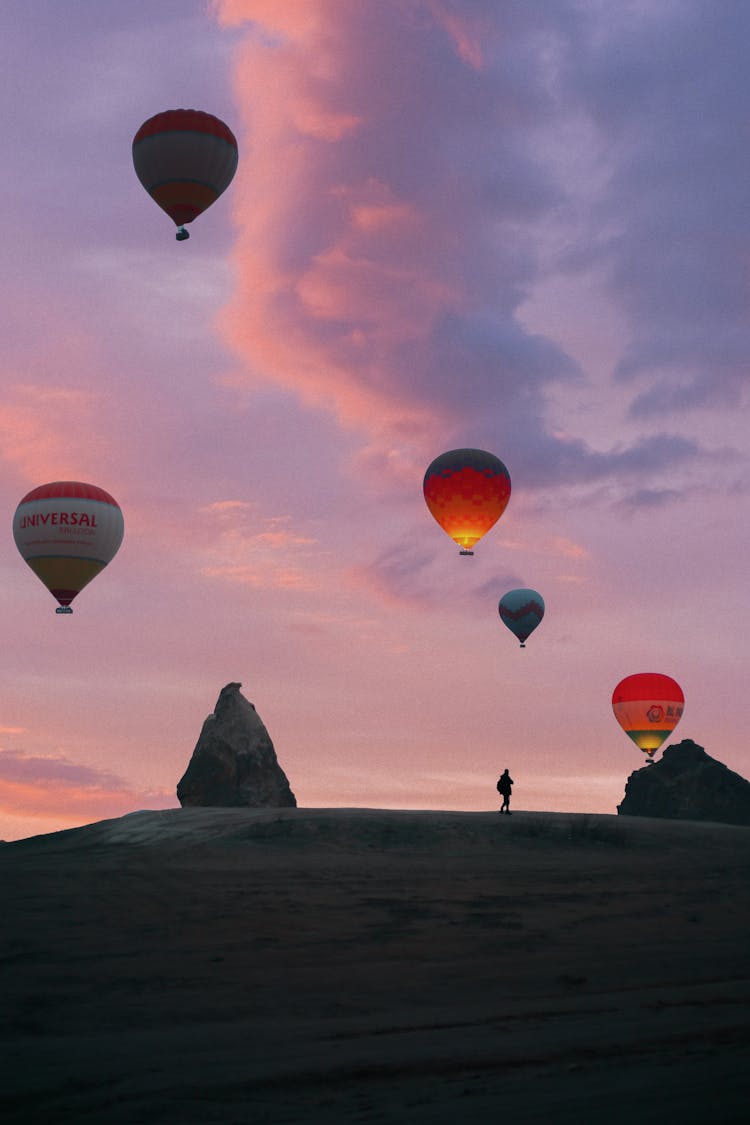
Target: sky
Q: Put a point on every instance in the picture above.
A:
(515, 225)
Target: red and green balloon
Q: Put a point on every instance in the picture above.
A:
(648, 706)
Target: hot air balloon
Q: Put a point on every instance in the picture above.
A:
(521, 610)
(648, 706)
(467, 490)
(185, 159)
(67, 532)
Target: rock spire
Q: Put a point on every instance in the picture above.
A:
(234, 763)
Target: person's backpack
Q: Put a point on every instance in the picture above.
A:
(499, 783)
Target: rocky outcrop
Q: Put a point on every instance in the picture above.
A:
(687, 784)
(234, 762)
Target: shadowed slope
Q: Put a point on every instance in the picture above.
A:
(355, 829)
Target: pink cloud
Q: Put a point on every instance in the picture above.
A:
(339, 269)
(264, 553)
(58, 790)
(262, 577)
(227, 506)
(570, 550)
(296, 18)
(396, 174)
(467, 31)
(41, 428)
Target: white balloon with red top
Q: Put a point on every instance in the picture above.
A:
(67, 532)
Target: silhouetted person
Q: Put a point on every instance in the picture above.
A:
(504, 786)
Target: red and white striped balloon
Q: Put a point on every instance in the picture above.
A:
(185, 159)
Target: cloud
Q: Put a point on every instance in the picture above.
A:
(55, 788)
(263, 553)
(606, 475)
(380, 261)
(399, 577)
(15, 766)
(645, 498)
(568, 549)
(396, 174)
(412, 577)
(41, 428)
(668, 85)
(221, 507)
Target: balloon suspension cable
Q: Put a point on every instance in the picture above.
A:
(182, 234)
(63, 609)
(465, 552)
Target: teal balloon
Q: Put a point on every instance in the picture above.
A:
(521, 611)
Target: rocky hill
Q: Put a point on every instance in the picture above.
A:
(687, 784)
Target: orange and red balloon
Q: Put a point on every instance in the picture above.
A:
(467, 490)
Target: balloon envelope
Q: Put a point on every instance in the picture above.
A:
(185, 159)
(67, 532)
(466, 490)
(521, 610)
(648, 706)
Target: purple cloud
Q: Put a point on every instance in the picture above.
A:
(15, 765)
(668, 87)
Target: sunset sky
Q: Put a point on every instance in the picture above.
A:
(518, 225)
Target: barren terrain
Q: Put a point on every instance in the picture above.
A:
(352, 965)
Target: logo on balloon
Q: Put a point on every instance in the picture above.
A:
(655, 713)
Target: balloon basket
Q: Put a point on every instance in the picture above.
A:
(462, 552)
(182, 234)
(63, 609)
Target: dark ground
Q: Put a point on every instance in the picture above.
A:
(346, 966)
